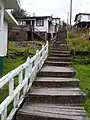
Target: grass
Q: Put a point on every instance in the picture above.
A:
(12, 63)
(78, 42)
(82, 59)
(83, 74)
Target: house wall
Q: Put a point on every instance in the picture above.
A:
(52, 28)
(3, 34)
(3, 39)
(85, 18)
(78, 18)
(56, 21)
(55, 25)
(41, 28)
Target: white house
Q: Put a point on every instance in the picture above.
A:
(82, 19)
(44, 24)
(5, 19)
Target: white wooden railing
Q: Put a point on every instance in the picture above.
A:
(26, 74)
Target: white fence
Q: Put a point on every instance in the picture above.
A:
(26, 74)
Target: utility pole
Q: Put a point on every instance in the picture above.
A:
(67, 18)
(70, 13)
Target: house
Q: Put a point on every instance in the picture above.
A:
(5, 19)
(43, 27)
(56, 22)
(82, 20)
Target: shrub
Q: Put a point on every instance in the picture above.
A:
(23, 50)
(79, 44)
(71, 34)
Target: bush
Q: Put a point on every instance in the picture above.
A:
(71, 34)
(79, 44)
(24, 50)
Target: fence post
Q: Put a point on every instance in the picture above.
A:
(38, 59)
(26, 75)
(11, 87)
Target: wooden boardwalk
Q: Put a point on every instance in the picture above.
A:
(55, 94)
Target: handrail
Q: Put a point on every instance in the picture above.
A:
(30, 69)
(53, 40)
(39, 33)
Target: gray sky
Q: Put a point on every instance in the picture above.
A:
(59, 8)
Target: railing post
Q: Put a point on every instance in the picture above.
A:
(11, 87)
(47, 44)
(37, 60)
(26, 75)
(20, 77)
(43, 55)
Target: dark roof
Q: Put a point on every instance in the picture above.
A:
(34, 17)
(80, 14)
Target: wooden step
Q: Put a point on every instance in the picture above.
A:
(53, 71)
(61, 49)
(58, 46)
(54, 82)
(59, 55)
(50, 112)
(60, 52)
(56, 96)
(62, 64)
(59, 59)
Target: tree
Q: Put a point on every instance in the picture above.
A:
(19, 13)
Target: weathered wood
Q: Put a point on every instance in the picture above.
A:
(56, 96)
(51, 112)
(62, 64)
(59, 59)
(53, 71)
(54, 82)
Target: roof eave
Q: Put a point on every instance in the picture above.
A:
(9, 18)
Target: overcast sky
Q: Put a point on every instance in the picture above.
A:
(59, 8)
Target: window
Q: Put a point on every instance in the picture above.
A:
(39, 22)
(22, 23)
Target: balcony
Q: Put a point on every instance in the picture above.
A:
(12, 4)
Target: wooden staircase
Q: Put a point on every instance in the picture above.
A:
(55, 94)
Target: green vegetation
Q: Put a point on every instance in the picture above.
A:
(23, 49)
(81, 59)
(71, 34)
(78, 42)
(83, 74)
(20, 13)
